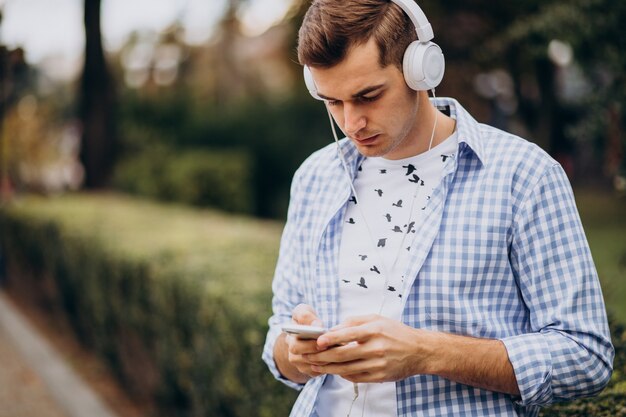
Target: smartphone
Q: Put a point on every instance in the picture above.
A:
(304, 332)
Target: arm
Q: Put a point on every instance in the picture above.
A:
(569, 353)
(482, 363)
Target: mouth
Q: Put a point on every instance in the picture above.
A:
(367, 141)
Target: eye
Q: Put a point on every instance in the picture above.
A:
(365, 99)
(333, 102)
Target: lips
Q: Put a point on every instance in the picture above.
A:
(368, 140)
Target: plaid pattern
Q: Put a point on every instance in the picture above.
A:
(500, 253)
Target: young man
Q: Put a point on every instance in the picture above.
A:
(453, 272)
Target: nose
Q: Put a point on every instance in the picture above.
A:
(354, 120)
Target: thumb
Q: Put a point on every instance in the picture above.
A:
(317, 322)
(305, 314)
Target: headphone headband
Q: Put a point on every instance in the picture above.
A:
(420, 21)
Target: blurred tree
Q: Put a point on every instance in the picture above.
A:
(579, 44)
(97, 98)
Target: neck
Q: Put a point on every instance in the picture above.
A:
(431, 123)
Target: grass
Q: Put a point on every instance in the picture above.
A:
(604, 219)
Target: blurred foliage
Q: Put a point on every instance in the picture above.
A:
(227, 108)
(593, 29)
(175, 300)
(40, 154)
(277, 137)
(245, 93)
(200, 177)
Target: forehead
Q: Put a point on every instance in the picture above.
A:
(359, 70)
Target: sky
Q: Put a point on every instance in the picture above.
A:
(51, 31)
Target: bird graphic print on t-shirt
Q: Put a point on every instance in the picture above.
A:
(391, 196)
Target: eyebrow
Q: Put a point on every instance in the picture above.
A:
(357, 95)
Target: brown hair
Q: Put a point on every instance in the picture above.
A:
(331, 27)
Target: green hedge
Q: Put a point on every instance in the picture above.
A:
(176, 299)
(200, 177)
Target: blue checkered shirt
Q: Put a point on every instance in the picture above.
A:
(500, 253)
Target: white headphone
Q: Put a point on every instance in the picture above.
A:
(423, 64)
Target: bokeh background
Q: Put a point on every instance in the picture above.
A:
(147, 148)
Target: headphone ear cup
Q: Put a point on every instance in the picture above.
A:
(310, 83)
(423, 65)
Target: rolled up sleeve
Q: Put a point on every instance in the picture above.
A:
(568, 353)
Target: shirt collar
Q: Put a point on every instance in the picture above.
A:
(351, 154)
(468, 128)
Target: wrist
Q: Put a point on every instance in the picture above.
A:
(281, 359)
(433, 350)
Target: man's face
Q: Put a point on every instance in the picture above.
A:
(373, 106)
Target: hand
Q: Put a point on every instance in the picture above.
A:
(371, 349)
(298, 348)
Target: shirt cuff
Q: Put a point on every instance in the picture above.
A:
(268, 358)
(532, 363)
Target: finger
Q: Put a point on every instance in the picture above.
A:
(308, 371)
(344, 336)
(357, 321)
(300, 347)
(358, 328)
(301, 363)
(305, 368)
(305, 314)
(337, 354)
(345, 369)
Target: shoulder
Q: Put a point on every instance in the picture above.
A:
(500, 152)
(503, 148)
(519, 157)
(523, 165)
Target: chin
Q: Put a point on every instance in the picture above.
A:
(369, 151)
(372, 151)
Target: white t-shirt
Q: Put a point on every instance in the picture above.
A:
(391, 195)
